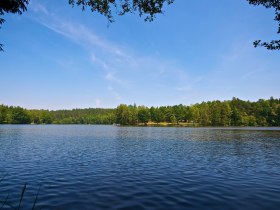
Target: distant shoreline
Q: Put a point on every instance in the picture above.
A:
(217, 113)
(160, 125)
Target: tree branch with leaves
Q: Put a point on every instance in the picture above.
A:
(147, 8)
(273, 4)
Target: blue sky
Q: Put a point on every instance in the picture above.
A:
(58, 57)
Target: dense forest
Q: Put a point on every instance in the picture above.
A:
(233, 112)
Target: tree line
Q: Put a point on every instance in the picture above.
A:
(19, 115)
(233, 112)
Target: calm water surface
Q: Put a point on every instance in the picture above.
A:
(107, 167)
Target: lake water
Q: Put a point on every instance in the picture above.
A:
(110, 167)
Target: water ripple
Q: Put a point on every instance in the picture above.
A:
(107, 167)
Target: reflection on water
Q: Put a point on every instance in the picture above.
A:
(109, 167)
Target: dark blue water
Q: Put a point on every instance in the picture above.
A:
(107, 167)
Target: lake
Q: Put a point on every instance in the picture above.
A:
(112, 167)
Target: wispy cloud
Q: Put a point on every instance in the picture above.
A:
(98, 102)
(123, 67)
(111, 77)
(75, 31)
(190, 85)
(114, 93)
(38, 8)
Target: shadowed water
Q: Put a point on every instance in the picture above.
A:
(110, 167)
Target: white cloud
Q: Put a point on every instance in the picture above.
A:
(38, 8)
(98, 102)
(75, 31)
(122, 66)
(114, 93)
(190, 86)
(110, 76)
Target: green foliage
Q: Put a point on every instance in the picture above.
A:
(235, 112)
(205, 115)
(249, 120)
(225, 111)
(275, 5)
(14, 115)
(123, 115)
(143, 114)
(149, 8)
(3, 114)
(277, 118)
(173, 119)
(11, 6)
(179, 113)
(156, 115)
(20, 116)
(235, 117)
